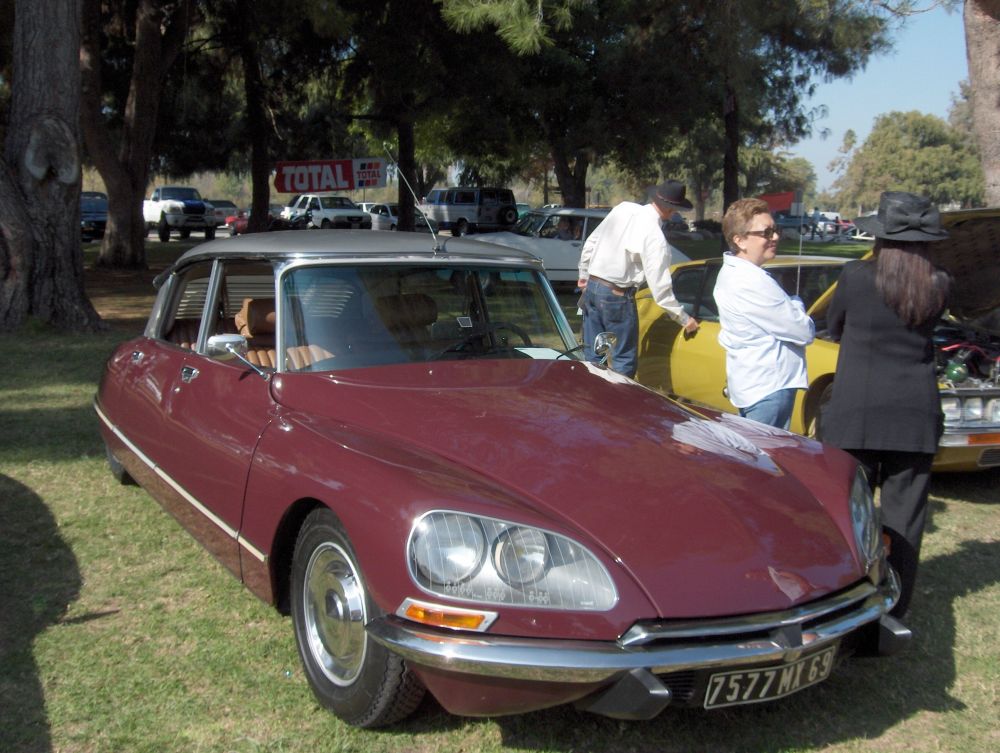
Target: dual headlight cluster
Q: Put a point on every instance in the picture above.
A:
(492, 561)
(970, 409)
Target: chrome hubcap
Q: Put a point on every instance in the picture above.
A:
(334, 604)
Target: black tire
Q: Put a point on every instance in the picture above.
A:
(209, 233)
(145, 232)
(325, 224)
(163, 230)
(117, 469)
(357, 679)
(232, 230)
(392, 227)
(508, 215)
(460, 228)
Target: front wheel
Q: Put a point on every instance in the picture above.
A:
(209, 233)
(163, 230)
(359, 680)
(460, 228)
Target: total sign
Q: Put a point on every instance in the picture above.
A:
(315, 176)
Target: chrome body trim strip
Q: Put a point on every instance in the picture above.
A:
(573, 661)
(219, 523)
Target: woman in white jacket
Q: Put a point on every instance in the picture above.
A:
(763, 330)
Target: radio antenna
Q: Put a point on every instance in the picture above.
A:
(438, 246)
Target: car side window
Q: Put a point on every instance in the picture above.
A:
(693, 288)
(182, 321)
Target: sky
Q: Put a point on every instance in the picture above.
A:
(921, 73)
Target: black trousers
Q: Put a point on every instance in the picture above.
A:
(904, 479)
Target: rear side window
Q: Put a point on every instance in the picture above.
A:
(506, 196)
(465, 197)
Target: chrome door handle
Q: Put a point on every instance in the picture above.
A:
(188, 373)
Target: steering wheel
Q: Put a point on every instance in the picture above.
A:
(491, 327)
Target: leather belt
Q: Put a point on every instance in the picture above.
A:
(614, 286)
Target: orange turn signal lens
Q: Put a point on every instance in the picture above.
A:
(886, 542)
(449, 617)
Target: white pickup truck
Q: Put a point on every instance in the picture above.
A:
(179, 208)
(327, 211)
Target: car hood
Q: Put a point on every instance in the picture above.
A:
(708, 517)
(971, 254)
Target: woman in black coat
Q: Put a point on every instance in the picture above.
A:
(885, 408)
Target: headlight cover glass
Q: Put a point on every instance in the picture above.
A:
(505, 563)
(865, 519)
(952, 409)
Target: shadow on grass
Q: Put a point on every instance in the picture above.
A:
(862, 700)
(39, 579)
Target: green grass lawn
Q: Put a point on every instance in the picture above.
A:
(118, 633)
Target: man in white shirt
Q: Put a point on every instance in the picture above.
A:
(762, 329)
(625, 250)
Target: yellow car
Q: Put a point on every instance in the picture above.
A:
(693, 368)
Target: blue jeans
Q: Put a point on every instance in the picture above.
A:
(775, 409)
(605, 310)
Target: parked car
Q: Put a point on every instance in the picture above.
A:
(399, 444)
(464, 209)
(327, 211)
(785, 221)
(237, 223)
(522, 209)
(556, 237)
(223, 208)
(386, 217)
(968, 349)
(93, 215)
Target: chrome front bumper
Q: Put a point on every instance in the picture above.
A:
(655, 647)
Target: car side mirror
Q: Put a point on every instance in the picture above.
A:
(604, 343)
(226, 347)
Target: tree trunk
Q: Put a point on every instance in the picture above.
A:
(572, 181)
(407, 166)
(255, 94)
(982, 30)
(41, 258)
(123, 158)
(731, 156)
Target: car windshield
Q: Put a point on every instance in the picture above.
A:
(370, 315)
(529, 224)
(337, 202)
(180, 194)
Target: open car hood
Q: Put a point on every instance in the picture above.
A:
(708, 517)
(971, 254)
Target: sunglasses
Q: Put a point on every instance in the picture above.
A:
(767, 233)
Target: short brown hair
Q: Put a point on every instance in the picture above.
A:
(739, 215)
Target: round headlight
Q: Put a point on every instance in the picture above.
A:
(447, 548)
(521, 555)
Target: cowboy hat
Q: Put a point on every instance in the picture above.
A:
(904, 217)
(669, 195)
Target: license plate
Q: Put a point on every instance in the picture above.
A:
(768, 683)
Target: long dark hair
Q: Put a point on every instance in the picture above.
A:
(909, 282)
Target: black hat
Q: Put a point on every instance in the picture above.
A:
(904, 217)
(669, 195)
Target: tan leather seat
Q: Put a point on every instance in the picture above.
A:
(256, 321)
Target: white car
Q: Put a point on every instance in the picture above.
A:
(386, 217)
(327, 211)
(556, 236)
